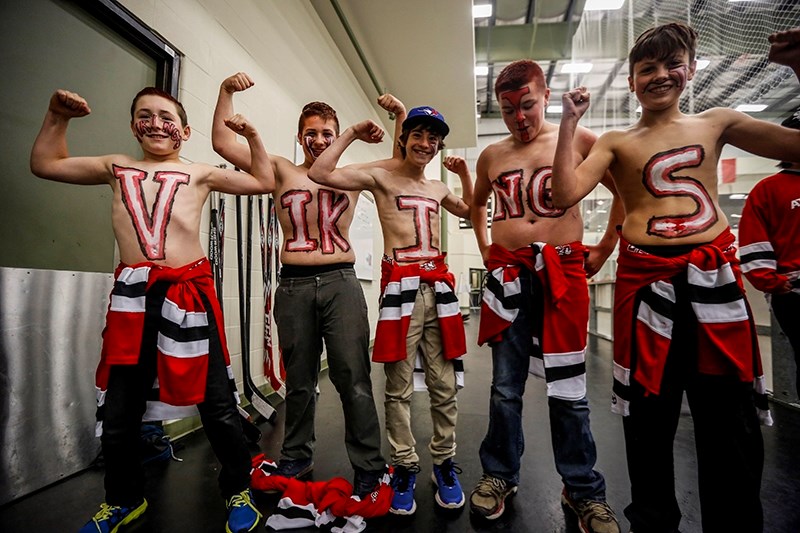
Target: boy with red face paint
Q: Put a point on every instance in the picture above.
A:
(318, 299)
(418, 304)
(535, 311)
(681, 322)
(164, 320)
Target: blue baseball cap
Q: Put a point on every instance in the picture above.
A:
(426, 115)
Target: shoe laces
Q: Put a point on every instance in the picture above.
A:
(239, 500)
(447, 470)
(106, 511)
(490, 485)
(592, 509)
(402, 477)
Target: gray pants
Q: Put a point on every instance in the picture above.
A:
(327, 307)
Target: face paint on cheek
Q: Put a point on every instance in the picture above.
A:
(681, 73)
(309, 142)
(329, 140)
(174, 134)
(515, 99)
(142, 128)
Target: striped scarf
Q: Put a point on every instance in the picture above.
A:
(643, 318)
(564, 310)
(399, 286)
(180, 317)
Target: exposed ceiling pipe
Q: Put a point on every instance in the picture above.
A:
(346, 25)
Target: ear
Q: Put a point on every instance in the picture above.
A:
(546, 96)
(692, 70)
(630, 84)
(187, 132)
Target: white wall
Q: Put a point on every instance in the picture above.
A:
(289, 54)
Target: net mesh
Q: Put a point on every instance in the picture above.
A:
(732, 38)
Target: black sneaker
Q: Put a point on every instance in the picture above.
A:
(366, 481)
(295, 468)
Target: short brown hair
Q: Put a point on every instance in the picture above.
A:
(661, 42)
(163, 94)
(317, 109)
(517, 74)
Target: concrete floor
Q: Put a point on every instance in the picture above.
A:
(183, 496)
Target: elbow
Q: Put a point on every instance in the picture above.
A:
(561, 201)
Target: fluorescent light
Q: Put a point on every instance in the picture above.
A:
(602, 5)
(555, 109)
(481, 11)
(481, 70)
(736, 215)
(751, 108)
(639, 109)
(576, 68)
(738, 196)
(702, 63)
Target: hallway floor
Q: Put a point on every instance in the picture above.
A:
(183, 496)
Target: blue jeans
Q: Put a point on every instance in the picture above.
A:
(501, 451)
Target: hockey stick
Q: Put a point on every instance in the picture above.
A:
(216, 235)
(272, 368)
(251, 391)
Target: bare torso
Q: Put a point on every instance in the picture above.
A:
(666, 176)
(519, 177)
(315, 219)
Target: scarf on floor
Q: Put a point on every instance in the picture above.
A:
(328, 505)
(564, 310)
(399, 286)
(182, 300)
(643, 320)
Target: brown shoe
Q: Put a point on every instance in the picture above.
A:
(488, 498)
(593, 516)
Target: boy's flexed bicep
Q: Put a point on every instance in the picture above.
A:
(352, 177)
(451, 202)
(50, 157)
(758, 136)
(223, 137)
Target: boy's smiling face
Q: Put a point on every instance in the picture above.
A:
(658, 83)
(157, 125)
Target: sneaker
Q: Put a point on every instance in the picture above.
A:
(366, 481)
(404, 479)
(488, 498)
(295, 468)
(448, 492)
(110, 518)
(242, 514)
(593, 516)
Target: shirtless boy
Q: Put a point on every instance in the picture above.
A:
(319, 299)
(536, 318)
(164, 319)
(681, 322)
(413, 272)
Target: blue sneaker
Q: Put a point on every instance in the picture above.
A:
(448, 490)
(242, 514)
(404, 479)
(110, 518)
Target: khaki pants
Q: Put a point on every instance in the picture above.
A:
(440, 378)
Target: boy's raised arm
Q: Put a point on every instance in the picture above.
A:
(570, 183)
(223, 138)
(50, 157)
(459, 206)
(393, 105)
(349, 178)
(477, 208)
(260, 178)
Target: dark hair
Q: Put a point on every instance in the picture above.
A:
(662, 42)
(317, 109)
(517, 74)
(158, 92)
(425, 126)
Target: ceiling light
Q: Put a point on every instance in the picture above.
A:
(639, 109)
(576, 68)
(602, 5)
(751, 108)
(555, 109)
(738, 196)
(481, 70)
(481, 11)
(702, 63)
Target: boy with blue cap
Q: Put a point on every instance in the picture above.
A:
(419, 308)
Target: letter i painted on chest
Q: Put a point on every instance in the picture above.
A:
(151, 228)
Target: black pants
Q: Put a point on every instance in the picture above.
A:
(730, 449)
(787, 310)
(125, 404)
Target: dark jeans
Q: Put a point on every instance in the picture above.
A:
(501, 451)
(787, 310)
(125, 404)
(327, 307)
(730, 450)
